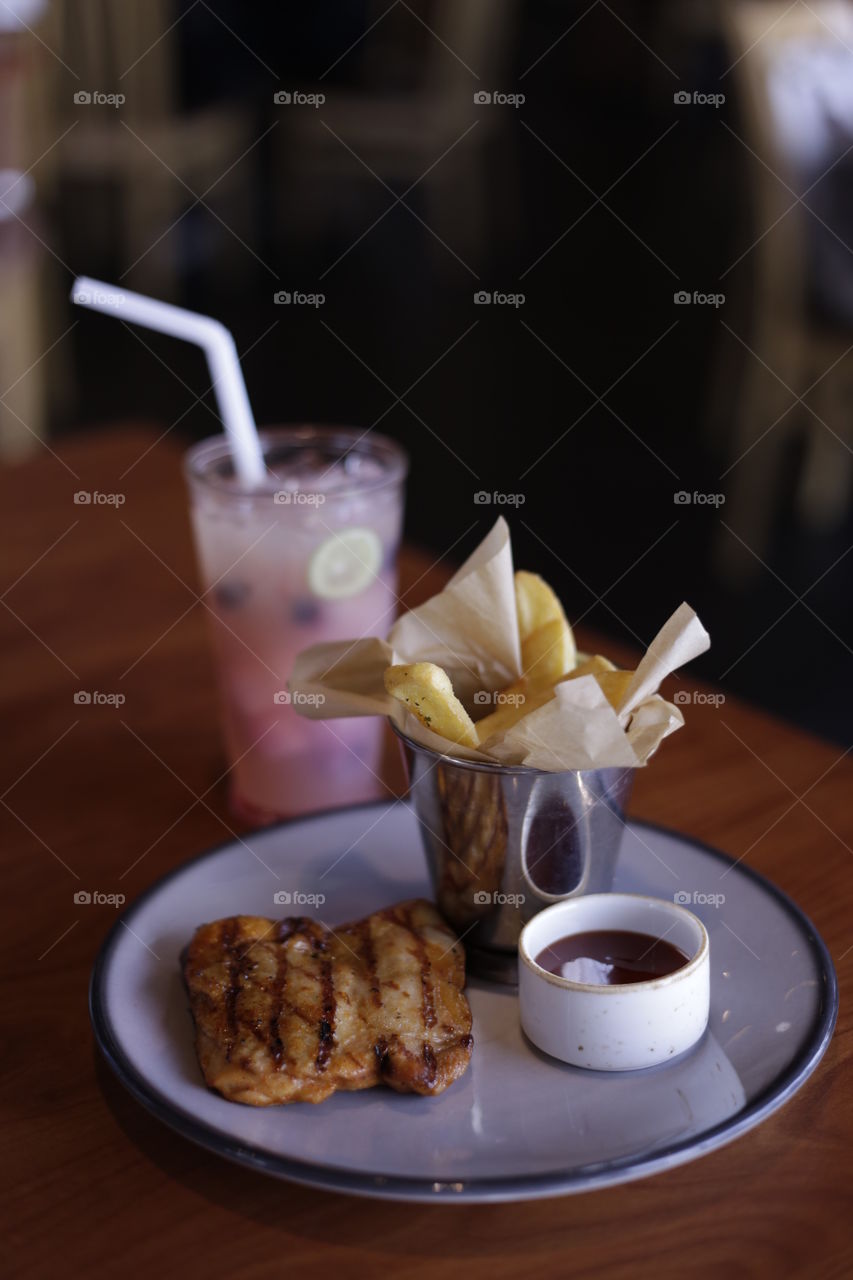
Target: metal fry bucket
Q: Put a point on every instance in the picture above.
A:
(503, 842)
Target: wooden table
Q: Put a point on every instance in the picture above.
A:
(95, 1184)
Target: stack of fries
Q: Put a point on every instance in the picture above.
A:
(498, 643)
(548, 657)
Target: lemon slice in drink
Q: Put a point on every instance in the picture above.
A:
(345, 564)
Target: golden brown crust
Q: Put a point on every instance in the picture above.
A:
(291, 1011)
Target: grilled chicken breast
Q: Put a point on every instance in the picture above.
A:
(291, 1011)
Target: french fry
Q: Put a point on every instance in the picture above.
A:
(592, 666)
(428, 693)
(548, 653)
(547, 644)
(612, 682)
(535, 602)
(529, 694)
(548, 656)
(614, 685)
(514, 702)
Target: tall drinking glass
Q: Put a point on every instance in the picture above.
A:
(309, 557)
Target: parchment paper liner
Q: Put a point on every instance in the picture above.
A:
(471, 629)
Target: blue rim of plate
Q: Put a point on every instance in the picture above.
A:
(510, 1187)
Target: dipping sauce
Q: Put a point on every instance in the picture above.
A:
(610, 957)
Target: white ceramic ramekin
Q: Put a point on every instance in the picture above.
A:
(615, 1028)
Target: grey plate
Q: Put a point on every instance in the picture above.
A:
(518, 1125)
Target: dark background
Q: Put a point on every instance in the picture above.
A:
(506, 398)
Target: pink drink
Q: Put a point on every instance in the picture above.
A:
(310, 558)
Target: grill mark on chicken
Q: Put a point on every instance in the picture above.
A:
(381, 1051)
(427, 998)
(314, 1010)
(430, 1065)
(277, 1006)
(231, 989)
(427, 1009)
(326, 1030)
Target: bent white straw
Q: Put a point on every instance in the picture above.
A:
(218, 345)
